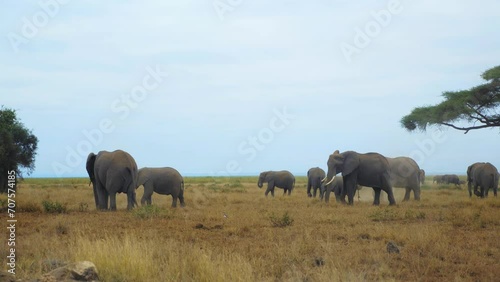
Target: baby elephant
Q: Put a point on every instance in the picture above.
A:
(336, 187)
(281, 179)
(162, 180)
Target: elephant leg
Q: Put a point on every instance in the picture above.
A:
(103, 198)
(272, 191)
(315, 190)
(174, 201)
(112, 201)
(290, 192)
(131, 199)
(376, 197)
(407, 194)
(96, 196)
(388, 189)
(181, 199)
(327, 195)
(350, 187)
(416, 194)
(343, 193)
(148, 193)
(309, 190)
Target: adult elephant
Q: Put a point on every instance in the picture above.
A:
(111, 173)
(281, 179)
(162, 180)
(422, 176)
(405, 173)
(451, 179)
(336, 187)
(483, 176)
(314, 177)
(371, 170)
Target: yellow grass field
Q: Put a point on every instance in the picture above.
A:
(446, 236)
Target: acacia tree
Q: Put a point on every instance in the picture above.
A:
(17, 147)
(464, 110)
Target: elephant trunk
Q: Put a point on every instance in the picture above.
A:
(259, 184)
(330, 175)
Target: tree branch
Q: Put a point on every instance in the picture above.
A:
(466, 129)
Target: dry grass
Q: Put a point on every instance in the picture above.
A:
(445, 237)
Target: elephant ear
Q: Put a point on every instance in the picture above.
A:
(90, 166)
(351, 163)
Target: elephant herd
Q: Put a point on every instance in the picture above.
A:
(116, 172)
(379, 172)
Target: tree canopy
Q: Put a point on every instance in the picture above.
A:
(17, 147)
(464, 110)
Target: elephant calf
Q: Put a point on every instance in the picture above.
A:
(336, 186)
(162, 180)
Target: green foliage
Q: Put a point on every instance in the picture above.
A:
(283, 221)
(150, 211)
(491, 74)
(17, 147)
(476, 106)
(53, 207)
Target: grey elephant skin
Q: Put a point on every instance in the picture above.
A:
(370, 170)
(282, 179)
(336, 187)
(405, 173)
(111, 173)
(314, 177)
(422, 176)
(483, 176)
(162, 180)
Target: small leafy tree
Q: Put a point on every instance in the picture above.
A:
(17, 147)
(464, 110)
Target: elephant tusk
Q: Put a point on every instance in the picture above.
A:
(330, 180)
(323, 180)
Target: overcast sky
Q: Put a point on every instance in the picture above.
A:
(235, 87)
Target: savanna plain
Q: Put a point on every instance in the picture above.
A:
(229, 231)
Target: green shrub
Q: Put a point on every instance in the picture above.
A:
(282, 221)
(53, 207)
